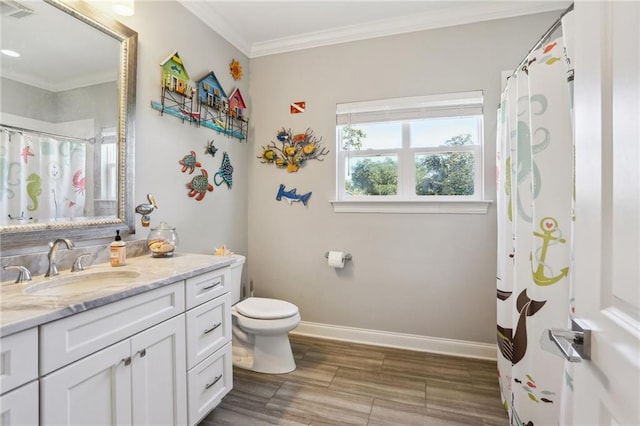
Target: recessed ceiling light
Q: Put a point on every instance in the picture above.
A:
(9, 52)
(123, 7)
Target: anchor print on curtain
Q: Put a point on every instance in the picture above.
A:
(535, 187)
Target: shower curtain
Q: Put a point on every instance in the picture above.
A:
(535, 193)
(41, 177)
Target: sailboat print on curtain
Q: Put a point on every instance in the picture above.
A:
(535, 170)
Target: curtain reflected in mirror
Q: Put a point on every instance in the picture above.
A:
(49, 177)
(46, 177)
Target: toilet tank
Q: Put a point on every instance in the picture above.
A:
(236, 277)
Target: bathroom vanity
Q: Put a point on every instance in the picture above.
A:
(147, 343)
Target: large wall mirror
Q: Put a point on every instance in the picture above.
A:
(67, 123)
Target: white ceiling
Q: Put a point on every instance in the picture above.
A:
(262, 27)
(59, 60)
(59, 52)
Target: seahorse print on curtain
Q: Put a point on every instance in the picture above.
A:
(41, 177)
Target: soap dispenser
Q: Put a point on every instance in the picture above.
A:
(118, 251)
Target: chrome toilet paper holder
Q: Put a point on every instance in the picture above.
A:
(347, 256)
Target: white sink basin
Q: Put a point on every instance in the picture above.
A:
(81, 283)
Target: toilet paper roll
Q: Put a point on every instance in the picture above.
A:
(336, 259)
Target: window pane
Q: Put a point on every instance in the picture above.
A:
(447, 173)
(371, 175)
(432, 132)
(108, 177)
(372, 136)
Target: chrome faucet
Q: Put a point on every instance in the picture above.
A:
(53, 251)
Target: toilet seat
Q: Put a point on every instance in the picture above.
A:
(265, 308)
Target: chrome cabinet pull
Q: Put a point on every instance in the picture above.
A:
(216, 380)
(126, 361)
(142, 353)
(209, 330)
(575, 344)
(216, 284)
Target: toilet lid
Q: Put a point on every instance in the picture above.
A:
(263, 308)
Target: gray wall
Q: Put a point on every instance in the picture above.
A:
(422, 274)
(99, 102)
(161, 141)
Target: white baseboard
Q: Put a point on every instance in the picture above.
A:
(399, 340)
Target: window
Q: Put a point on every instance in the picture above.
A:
(108, 164)
(426, 148)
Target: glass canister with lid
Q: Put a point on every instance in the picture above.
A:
(162, 240)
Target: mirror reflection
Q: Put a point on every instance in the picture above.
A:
(68, 89)
(59, 117)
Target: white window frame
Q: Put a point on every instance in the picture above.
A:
(405, 110)
(108, 170)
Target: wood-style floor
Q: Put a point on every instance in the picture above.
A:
(339, 383)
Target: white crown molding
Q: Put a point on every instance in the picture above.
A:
(412, 342)
(482, 11)
(83, 81)
(442, 17)
(206, 12)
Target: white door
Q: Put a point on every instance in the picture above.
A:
(607, 228)
(95, 390)
(160, 374)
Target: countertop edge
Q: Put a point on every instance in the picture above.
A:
(101, 300)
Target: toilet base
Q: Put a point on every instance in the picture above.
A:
(269, 354)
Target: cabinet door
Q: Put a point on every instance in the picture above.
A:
(95, 390)
(159, 374)
(71, 338)
(20, 406)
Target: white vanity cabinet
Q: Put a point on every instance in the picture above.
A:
(209, 355)
(112, 365)
(19, 379)
(158, 357)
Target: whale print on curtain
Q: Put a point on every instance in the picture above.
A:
(535, 187)
(41, 177)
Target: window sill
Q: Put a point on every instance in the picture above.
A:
(429, 207)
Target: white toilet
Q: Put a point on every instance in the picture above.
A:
(261, 328)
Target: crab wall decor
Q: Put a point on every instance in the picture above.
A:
(189, 162)
(199, 185)
(293, 150)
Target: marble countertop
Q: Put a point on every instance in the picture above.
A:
(20, 309)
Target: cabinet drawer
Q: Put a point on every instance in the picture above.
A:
(18, 359)
(208, 382)
(20, 406)
(74, 337)
(207, 286)
(208, 328)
